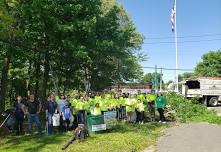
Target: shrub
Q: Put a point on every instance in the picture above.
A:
(191, 110)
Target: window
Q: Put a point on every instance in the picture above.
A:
(193, 84)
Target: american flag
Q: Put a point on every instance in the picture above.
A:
(173, 13)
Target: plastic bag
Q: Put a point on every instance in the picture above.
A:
(56, 120)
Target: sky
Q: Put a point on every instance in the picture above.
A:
(197, 20)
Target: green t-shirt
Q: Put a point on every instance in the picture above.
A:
(161, 102)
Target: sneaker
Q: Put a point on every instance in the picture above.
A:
(160, 121)
(164, 122)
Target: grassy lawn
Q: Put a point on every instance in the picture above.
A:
(122, 138)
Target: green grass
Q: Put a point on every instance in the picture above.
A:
(122, 138)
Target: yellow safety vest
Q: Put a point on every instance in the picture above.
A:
(79, 105)
(97, 111)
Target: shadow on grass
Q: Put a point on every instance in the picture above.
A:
(33, 143)
(55, 142)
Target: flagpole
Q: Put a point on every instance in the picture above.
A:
(175, 36)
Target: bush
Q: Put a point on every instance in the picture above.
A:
(191, 110)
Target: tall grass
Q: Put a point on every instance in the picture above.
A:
(190, 110)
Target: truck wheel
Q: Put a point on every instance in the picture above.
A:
(213, 101)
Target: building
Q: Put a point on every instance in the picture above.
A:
(132, 88)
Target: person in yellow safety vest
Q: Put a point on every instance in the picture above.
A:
(87, 106)
(129, 108)
(73, 106)
(151, 100)
(104, 105)
(80, 110)
(97, 110)
(140, 111)
(140, 97)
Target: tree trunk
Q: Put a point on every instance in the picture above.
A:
(4, 82)
(45, 78)
(37, 77)
(29, 79)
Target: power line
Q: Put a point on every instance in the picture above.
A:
(169, 69)
(190, 36)
(196, 41)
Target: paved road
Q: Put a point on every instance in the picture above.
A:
(191, 138)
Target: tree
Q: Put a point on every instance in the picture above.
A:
(150, 77)
(66, 45)
(8, 32)
(210, 64)
(186, 75)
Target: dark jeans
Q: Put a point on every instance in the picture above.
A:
(161, 112)
(151, 110)
(140, 116)
(31, 119)
(81, 117)
(19, 124)
(67, 124)
(50, 124)
(61, 127)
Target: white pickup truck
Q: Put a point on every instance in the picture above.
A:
(208, 89)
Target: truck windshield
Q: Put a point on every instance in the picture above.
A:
(193, 84)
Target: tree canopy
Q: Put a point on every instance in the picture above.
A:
(210, 64)
(54, 45)
(152, 78)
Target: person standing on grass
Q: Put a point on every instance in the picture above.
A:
(140, 111)
(151, 99)
(61, 104)
(130, 108)
(80, 110)
(160, 105)
(66, 112)
(33, 110)
(51, 109)
(19, 115)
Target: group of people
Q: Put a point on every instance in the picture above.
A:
(66, 112)
(32, 108)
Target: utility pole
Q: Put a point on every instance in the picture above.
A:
(175, 32)
(155, 79)
(161, 79)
